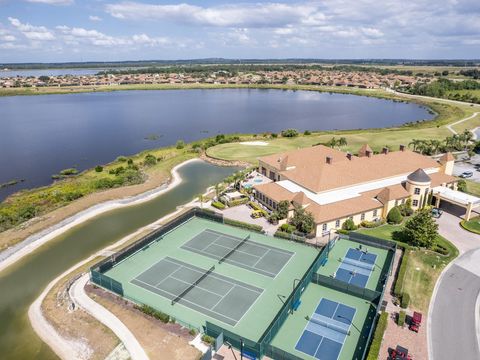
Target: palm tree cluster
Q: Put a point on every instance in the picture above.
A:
(456, 142)
(340, 142)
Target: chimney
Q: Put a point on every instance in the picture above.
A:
(349, 155)
(328, 159)
(385, 150)
(402, 147)
(368, 153)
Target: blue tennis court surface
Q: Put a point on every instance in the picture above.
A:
(356, 267)
(326, 330)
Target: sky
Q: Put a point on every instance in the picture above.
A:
(107, 30)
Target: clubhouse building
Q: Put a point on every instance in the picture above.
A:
(334, 185)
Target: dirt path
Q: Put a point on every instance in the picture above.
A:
(78, 295)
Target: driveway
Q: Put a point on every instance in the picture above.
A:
(453, 321)
(453, 315)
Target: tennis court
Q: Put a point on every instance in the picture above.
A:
(356, 267)
(242, 252)
(326, 330)
(215, 295)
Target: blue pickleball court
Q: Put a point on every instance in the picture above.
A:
(356, 267)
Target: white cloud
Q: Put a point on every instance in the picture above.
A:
(38, 33)
(52, 2)
(232, 15)
(95, 18)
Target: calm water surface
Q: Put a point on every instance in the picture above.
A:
(41, 135)
(22, 283)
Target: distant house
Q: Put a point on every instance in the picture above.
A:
(335, 186)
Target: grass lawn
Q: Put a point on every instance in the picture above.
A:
(473, 225)
(473, 187)
(423, 267)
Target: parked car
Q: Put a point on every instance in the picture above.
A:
(415, 322)
(400, 353)
(466, 174)
(436, 212)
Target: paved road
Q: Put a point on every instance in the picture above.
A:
(453, 326)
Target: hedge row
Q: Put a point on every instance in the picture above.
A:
(218, 205)
(243, 225)
(154, 313)
(402, 315)
(401, 273)
(374, 350)
(238, 202)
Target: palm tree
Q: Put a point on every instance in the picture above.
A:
(435, 144)
(415, 143)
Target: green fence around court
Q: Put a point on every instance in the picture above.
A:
(262, 347)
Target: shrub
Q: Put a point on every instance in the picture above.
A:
(180, 144)
(405, 300)
(130, 162)
(218, 205)
(303, 220)
(289, 133)
(394, 216)
(282, 209)
(401, 318)
(462, 185)
(149, 160)
(273, 135)
(349, 225)
(241, 201)
(405, 210)
(117, 171)
(254, 205)
(72, 195)
(287, 228)
(307, 132)
(98, 168)
(372, 224)
(282, 234)
(208, 339)
(121, 158)
(342, 231)
(243, 225)
(374, 351)
(193, 332)
(148, 310)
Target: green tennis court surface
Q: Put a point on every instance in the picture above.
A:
(212, 294)
(239, 295)
(245, 253)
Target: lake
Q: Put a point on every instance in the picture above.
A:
(21, 283)
(41, 135)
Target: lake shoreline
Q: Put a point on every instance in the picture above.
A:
(16, 252)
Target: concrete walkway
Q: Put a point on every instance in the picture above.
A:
(449, 126)
(78, 295)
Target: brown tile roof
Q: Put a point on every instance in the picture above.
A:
(275, 191)
(311, 170)
(391, 193)
(364, 149)
(440, 178)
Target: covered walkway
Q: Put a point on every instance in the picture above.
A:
(469, 202)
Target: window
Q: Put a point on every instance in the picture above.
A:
(375, 212)
(417, 191)
(415, 202)
(351, 217)
(337, 223)
(274, 205)
(362, 217)
(324, 227)
(403, 201)
(396, 202)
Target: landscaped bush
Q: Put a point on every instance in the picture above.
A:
(149, 160)
(193, 332)
(98, 168)
(154, 313)
(401, 318)
(287, 228)
(289, 133)
(441, 249)
(241, 201)
(349, 225)
(372, 224)
(405, 301)
(180, 144)
(218, 205)
(208, 339)
(343, 232)
(374, 350)
(282, 234)
(394, 216)
(401, 274)
(254, 205)
(243, 225)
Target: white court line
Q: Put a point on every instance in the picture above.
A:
(254, 265)
(223, 297)
(197, 286)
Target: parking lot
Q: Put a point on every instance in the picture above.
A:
(461, 167)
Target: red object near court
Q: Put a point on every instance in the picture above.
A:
(416, 321)
(400, 353)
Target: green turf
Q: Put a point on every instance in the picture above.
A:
(340, 249)
(293, 327)
(262, 312)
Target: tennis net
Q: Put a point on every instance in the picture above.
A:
(195, 283)
(359, 264)
(233, 250)
(330, 325)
